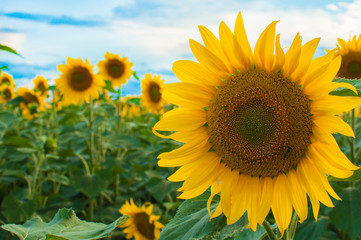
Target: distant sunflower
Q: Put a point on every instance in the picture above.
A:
(6, 93)
(41, 85)
(130, 109)
(152, 89)
(257, 126)
(78, 83)
(350, 53)
(33, 103)
(7, 79)
(117, 70)
(141, 225)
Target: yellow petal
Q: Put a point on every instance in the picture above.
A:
(241, 36)
(292, 56)
(188, 94)
(213, 44)
(334, 105)
(231, 48)
(333, 124)
(180, 119)
(297, 195)
(193, 72)
(279, 56)
(207, 58)
(307, 52)
(264, 49)
(281, 205)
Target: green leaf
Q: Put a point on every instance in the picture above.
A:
(346, 215)
(310, 229)
(135, 101)
(345, 91)
(109, 86)
(16, 101)
(249, 234)
(52, 88)
(136, 76)
(159, 188)
(8, 49)
(192, 222)
(92, 185)
(19, 142)
(16, 210)
(7, 117)
(64, 226)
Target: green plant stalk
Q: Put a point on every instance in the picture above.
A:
(91, 210)
(55, 114)
(91, 140)
(84, 163)
(119, 112)
(293, 226)
(271, 234)
(38, 162)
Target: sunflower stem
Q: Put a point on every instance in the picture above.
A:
(119, 112)
(91, 126)
(269, 230)
(293, 226)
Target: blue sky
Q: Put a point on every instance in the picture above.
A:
(152, 33)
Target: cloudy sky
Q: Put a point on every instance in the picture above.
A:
(152, 33)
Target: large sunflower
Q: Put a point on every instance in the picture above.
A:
(350, 53)
(141, 225)
(41, 85)
(257, 126)
(152, 89)
(6, 93)
(78, 82)
(117, 70)
(7, 79)
(33, 103)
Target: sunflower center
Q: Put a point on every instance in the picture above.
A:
(5, 80)
(141, 221)
(350, 66)
(41, 86)
(80, 79)
(260, 123)
(154, 92)
(7, 94)
(115, 68)
(30, 98)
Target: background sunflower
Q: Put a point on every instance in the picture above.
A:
(141, 225)
(117, 70)
(350, 53)
(77, 82)
(41, 85)
(152, 90)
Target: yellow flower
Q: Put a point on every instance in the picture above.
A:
(350, 53)
(78, 83)
(257, 126)
(141, 225)
(33, 103)
(6, 93)
(152, 89)
(41, 85)
(129, 109)
(117, 70)
(7, 79)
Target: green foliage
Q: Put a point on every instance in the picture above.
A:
(109, 86)
(192, 221)
(65, 226)
(347, 213)
(8, 49)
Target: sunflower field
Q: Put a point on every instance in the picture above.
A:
(246, 145)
